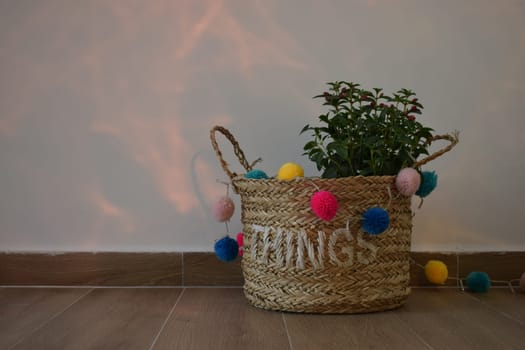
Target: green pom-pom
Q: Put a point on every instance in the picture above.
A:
(428, 183)
(256, 174)
(478, 282)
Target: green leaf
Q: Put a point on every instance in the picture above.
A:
(317, 157)
(330, 172)
(339, 148)
(310, 145)
(324, 118)
(306, 127)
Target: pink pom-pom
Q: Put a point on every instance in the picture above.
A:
(223, 209)
(408, 181)
(324, 205)
(522, 282)
(240, 242)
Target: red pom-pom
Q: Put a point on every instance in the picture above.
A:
(324, 205)
(240, 242)
(240, 239)
(223, 209)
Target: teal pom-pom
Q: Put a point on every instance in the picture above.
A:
(375, 220)
(478, 282)
(256, 174)
(226, 249)
(428, 183)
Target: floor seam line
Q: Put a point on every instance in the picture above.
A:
(50, 320)
(287, 332)
(166, 320)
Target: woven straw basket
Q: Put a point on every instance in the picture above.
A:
(294, 261)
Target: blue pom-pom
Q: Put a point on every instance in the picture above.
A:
(375, 220)
(428, 183)
(256, 174)
(478, 282)
(226, 249)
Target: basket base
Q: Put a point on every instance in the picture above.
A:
(295, 262)
(322, 307)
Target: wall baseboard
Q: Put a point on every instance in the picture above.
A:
(204, 269)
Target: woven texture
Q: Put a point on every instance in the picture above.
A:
(346, 271)
(294, 261)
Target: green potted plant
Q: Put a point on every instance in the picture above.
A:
(366, 132)
(339, 243)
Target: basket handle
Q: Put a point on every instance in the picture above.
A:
(236, 149)
(452, 138)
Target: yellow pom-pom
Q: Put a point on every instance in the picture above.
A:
(290, 171)
(436, 271)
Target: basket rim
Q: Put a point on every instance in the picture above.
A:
(273, 179)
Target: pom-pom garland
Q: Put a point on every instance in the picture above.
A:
(375, 220)
(428, 183)
(226, 249)
(408, 181)
(223, 209)
(290, 171)
(256, 174)
(324, 205)
(436, 272)
(240, 242)
(478, 282)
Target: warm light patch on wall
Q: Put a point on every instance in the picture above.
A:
(194, 31)
(162, 150)
(209, 187)
(241, 48)
(121, 95)
(110, 213)
(160, 142)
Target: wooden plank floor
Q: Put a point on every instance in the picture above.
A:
(220, 318)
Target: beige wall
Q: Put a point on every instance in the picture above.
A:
(105, 108)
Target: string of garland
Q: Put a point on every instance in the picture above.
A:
(375, 221)
(324, 204)
(436, 272)
(226, 248)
